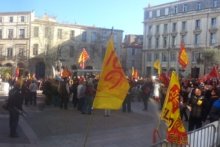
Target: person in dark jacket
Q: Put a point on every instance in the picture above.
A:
(146, 91)
(196, 108)
(15, 101)
(64, 91)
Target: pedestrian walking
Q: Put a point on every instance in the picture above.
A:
(33, 92)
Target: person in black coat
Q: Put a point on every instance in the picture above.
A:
(196, 108)
(15, 101)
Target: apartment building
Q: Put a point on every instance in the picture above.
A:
(15, 31)
(132, 53)
(195, 22)
(37, 44)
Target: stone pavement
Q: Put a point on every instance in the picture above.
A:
(54, 127)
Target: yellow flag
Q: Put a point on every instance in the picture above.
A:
(171, 114)
(132, 71)
(113, 85)
(157, 65)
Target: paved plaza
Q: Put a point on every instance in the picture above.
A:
(51, 126)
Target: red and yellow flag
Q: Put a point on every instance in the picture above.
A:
(171, 114)
(113, 85)
(84, 56)
(183, 57)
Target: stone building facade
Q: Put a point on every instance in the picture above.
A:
(132, 53)
(40, 43)
(195, 22)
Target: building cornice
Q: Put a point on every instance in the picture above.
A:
(16, 13)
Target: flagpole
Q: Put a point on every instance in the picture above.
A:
(88, 127)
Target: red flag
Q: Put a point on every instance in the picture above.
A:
(214, 73)
(164, 79)
(183, 57)
(84, 56)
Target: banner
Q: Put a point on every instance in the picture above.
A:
(171, 114)
(113, 85)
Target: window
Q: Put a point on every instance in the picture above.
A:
(197, 39)
(36, 31)
(9, 52)
(22, 18)
(150, 14)
(133, 63)
(198, 7)
(164, 57)
(59, 33)
(215, 3)
(0, 33)
(84, 36)
(72, 51)
(184, 26)
(175, 9)
(174, 27)
(173, 56)
(10, 19)
(72, 34)
(212, 38)
(149, 42)
(132, 51)
(21, 52)
(150, 29)
(158, 13)
(213, 22)
(158, 29)
(173, 41)
(156, 56)
(185, 8)
(35, 49)
(197, 24)
(195, 56)
(0, 19)
(47, 32)
(165, 28)
(22, 33)
(164, 42)
(10, 33)
(157, 42)
(183, 38)
(166, 11)
(94, 37)
(149, 57)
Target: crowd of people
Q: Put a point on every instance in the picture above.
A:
(199, 101)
